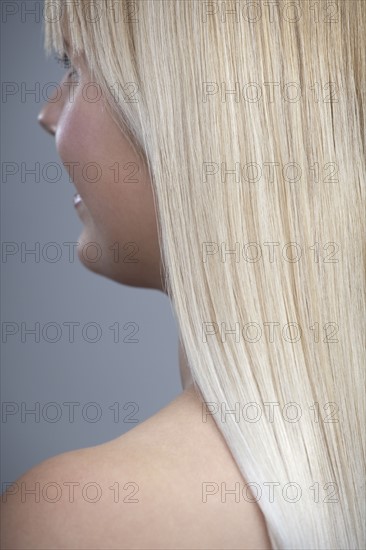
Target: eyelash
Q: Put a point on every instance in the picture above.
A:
(64, 59)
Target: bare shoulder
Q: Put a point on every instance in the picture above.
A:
(152, 488)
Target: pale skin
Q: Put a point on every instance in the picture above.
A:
(170, 458)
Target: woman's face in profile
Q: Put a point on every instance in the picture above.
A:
(120, 237)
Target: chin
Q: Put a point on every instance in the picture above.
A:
(107, 268)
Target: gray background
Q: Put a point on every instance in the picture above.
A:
(108, 373)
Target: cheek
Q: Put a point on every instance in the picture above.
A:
(78, 147)
(72, 138)
(106, 171)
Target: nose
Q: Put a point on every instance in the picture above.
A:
(51, 111)
(45, 121)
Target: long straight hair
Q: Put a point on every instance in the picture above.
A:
(251, 119)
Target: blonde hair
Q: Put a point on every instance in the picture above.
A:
(296, 307)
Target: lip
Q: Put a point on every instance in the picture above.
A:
(77, 200)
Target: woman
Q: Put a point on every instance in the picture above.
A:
(243, 126)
